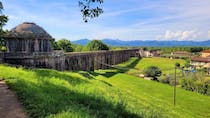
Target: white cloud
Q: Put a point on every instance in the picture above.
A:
(181, 35)
(138, 20)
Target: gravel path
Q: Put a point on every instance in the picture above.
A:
(9, 105)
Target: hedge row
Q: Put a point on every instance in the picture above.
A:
(199, 86)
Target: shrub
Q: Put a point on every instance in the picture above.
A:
(197, 85)
(165, 79)
(208, 90)
(152, 71)
(200, 87)
(188, 84)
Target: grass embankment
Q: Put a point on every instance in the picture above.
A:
(135, 66)
(165, 64)
(103, 93)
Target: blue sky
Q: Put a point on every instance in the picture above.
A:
(122, 19)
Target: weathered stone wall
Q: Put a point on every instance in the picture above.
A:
(97, 60)
(1, 57)
(27, 45)
(71, 61)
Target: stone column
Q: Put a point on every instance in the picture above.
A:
(36, 45)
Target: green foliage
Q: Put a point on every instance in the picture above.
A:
(96, 45)
(196, 49)
(65, 45)
(3, 21)
(187, 64)
(188, 84)
(166, 79)
(200, 87)
(195, 84)
(3, 48)
(90, 8)
(77, 48)
(55, 44)
(177, 64)
(208, 90)
(152, 71)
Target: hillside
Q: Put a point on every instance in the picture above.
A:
(102, 93)
(117, 42)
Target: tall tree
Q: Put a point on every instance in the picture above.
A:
(90, 9)
(95, 45)
(3, 19)
(65, 45)
(55, 44)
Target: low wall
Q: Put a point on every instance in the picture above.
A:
(87, 61)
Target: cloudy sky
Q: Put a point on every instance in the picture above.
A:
(122, 19)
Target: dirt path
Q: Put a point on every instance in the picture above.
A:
(9, 106)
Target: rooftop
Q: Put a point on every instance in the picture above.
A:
(29, 30)
(206, 51)
(200, 59)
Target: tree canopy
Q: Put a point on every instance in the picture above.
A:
(95, 45)
(65, 45)
(196, 49)
(152, 71)
(90, 8)
(3, 19)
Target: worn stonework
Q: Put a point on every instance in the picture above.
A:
(71, 61)
(29, 45)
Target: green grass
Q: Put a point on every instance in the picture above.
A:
(103, 93)
(165, 64)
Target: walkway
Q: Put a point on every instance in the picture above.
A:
(9, 105)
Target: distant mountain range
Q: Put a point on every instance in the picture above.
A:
(117, 42)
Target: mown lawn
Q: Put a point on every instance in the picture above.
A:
(102, 93)
(165, 64)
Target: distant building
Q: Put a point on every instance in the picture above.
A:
(150, 53)
(200, 62)
(181, 53)
(205, 54)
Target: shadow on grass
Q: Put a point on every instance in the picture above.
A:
(44, 73)
(118, 69)
(46, 99)
(86, 75)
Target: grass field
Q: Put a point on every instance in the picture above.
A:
(165, 64)
(102, 93)
(136, 66)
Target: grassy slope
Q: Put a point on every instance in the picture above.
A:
(160, 96)
(165, 64)
(103, 93)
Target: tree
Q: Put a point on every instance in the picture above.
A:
(95, 45)
(90, 9)
(152, 71)
(77, 47)
(196, 49)
(177, 64)
(65, 45)
(55, 44)
(3, 19)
